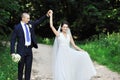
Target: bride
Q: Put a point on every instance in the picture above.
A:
(71, 63)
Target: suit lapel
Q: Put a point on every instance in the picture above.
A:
(21, 31)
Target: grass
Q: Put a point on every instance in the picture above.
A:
(8, 69)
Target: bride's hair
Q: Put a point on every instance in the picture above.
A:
(64, 22)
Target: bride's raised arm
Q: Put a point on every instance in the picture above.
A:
(51, 24)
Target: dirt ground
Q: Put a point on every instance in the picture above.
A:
(41, 68)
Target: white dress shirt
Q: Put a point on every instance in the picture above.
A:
(24, 30)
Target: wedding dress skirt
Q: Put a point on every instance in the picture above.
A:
(71, 64)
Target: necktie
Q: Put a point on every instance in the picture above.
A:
(27, 33)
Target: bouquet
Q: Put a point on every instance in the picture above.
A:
(16, 57)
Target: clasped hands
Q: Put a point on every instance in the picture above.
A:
(49, 13)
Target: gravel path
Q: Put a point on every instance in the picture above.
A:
(41, 69)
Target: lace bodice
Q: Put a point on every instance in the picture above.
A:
(64, 40)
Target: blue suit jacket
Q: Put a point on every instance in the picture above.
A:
(18, 35)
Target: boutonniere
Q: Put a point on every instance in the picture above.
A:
(30, 25)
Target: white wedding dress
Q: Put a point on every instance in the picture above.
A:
(71, 64)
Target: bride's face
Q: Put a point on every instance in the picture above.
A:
(64, 28)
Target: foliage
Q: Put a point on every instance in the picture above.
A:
(86, 17)
(46, 41)
(8, 9)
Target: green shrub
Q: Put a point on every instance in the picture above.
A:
(45, 40)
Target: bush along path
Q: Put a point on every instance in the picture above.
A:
(41, 68)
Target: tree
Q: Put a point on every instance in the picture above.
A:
(86, 17)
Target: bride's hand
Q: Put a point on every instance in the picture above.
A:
(50, 13)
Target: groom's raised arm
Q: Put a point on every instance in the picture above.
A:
(40, 20)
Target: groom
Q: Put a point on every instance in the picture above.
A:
(24, 35)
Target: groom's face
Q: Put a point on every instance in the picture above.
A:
(26, 18)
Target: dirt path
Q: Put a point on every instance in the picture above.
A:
(41, 69)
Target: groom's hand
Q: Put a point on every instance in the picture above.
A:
(16, 57)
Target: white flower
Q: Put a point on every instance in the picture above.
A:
(16, 57)
(30, 25)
